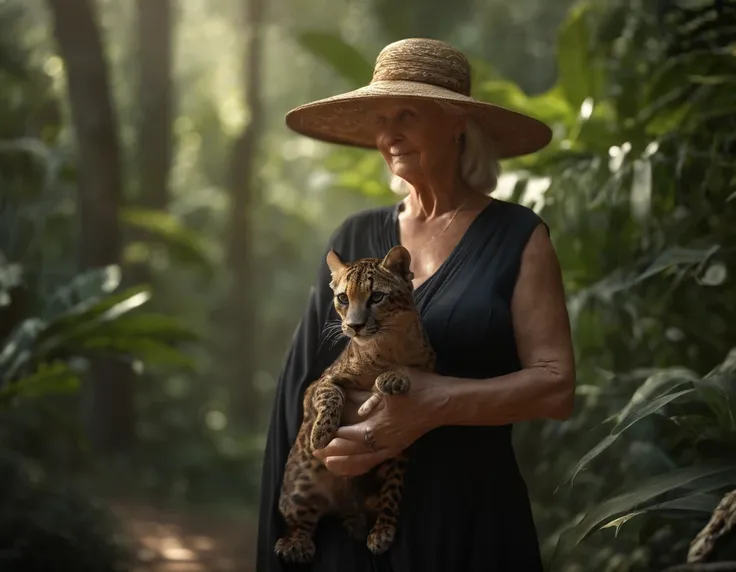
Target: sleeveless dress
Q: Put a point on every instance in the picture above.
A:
(465, 505)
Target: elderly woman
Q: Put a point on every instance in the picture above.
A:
(488, 286)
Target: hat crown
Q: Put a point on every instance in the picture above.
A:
(425, 61)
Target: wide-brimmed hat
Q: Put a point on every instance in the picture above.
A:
(425, 69)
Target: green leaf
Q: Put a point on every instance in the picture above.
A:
(727, 366)
(184, 243)
(648, 409)
(649, 489)
(691, 503)
(657, 384)
(343, 58)
(147, 350)
(71, 329)
(678, 256)
(579, 75)
(17, 350)
(586, 459)
(56, 378)
(550, 106)
(712, 79)
(714, 393)
(82, 292)
(631, 419)
(158, 326)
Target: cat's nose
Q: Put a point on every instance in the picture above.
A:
(356, 326)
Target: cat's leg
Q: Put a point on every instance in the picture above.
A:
(393, 383)
(388, 383)
(302, 507)
(328, 401)
(384, 530)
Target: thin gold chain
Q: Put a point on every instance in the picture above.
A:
(449, 224)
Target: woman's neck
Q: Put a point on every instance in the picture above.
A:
(432, 199)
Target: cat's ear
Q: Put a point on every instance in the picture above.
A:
(398, 261)
(336, 263)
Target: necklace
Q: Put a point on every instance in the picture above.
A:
(449, 224)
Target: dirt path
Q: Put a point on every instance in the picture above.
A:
(188, 541)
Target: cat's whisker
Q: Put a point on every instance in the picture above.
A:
(332, 338)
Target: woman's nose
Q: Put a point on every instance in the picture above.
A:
(389, 135)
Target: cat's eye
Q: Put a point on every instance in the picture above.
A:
(376, 297)
(343, 299)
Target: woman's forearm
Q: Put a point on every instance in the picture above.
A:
(531, 393)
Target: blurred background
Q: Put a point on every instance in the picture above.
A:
(160, 230)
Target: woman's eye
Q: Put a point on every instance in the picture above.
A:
(376, 297)
(343, 299)
(406, 114)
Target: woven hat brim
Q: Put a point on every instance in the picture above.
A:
(342, 118)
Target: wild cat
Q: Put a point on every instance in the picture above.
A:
(375, 302)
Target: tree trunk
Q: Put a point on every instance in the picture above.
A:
(239, 308)
(155, 95)
(109, 390)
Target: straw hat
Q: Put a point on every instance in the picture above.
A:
(425, 69)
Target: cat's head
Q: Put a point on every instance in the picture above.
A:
(372, 295)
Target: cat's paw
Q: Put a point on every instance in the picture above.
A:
(381, 538)
(323, 431)
(393, 383)
(298, 550)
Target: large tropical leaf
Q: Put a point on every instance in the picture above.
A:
(49, 379)
(149, 351)
(83, 292)
(342, 57)
(657, 385)
(17, 350)
(701, 503)
(678, 256)
(580, 77)
(721, 474)
(184, 244)
(86, 317)
(655, 393)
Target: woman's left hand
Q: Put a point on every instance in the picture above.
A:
(393, 424)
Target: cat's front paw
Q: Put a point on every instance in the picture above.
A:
(381, 538)
(393, 383)
(323, 431)
(298, 550)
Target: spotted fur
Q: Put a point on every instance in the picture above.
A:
(374, 299)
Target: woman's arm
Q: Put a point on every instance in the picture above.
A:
(545, 386)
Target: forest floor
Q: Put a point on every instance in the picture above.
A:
(188, 540)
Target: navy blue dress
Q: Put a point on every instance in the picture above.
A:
(465, 505)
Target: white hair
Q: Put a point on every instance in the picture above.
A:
(479, 166)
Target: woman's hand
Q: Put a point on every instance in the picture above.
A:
(393, 424)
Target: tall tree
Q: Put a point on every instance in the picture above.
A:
(154, 31)
(239, 307)
(155, 102)
(155, 94)
(110, 411)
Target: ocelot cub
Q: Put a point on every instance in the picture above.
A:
(374, 299)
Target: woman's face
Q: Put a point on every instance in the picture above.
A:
(418, 139)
